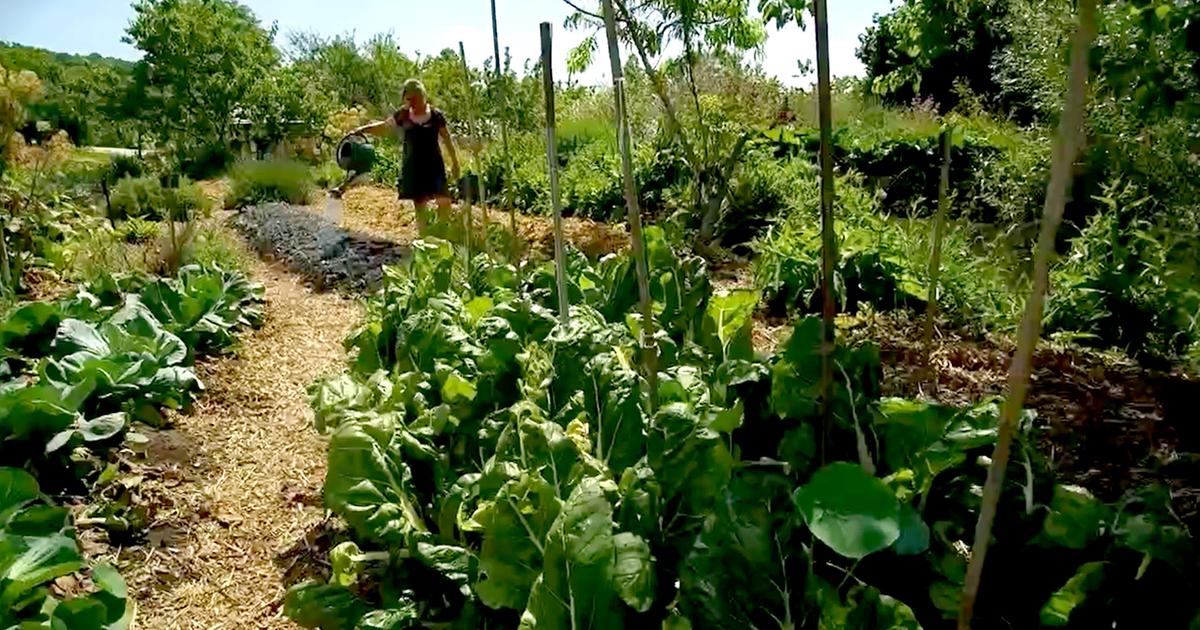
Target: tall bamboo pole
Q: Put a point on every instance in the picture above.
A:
(633, 208)
(560, 262)
(828, 237)
(467, 201)
(515, 248)
(476, 133)
(935, 257)
(1066, 148)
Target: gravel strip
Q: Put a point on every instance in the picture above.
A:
(312, 246)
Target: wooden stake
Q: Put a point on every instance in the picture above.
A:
(633, 208)
(935, 257)
(560, 261)
(828, 237)
(1066, 147)
(476, 131)
(515, 247)
(467, 201)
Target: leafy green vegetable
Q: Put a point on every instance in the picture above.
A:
(1057, 611)
(849, 510)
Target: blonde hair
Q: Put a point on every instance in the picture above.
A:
(414, 86)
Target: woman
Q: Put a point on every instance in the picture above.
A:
(419, 125)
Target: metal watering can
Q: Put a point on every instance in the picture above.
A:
(355, 154)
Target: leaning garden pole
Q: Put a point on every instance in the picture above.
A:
(475, 132)
(638, 246)
(1066, 147)
(828, 237)
(935, 257)
(560, 261)
(468, 201)
(515, 252)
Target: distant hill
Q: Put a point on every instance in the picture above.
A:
(81, 94)
(47, 63)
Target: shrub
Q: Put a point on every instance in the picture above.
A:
(255, 182)
(137, 197)
(1127, 282)
(760, 192)
(137, 230)
(147, 198)
(328, 174)
(122, 166)
(206, 161)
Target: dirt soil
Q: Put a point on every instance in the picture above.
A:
(232, 490)
(1105, 422)
(374, 209)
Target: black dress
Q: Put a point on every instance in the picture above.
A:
(423, 172)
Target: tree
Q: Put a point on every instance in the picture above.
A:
(203, 57)
(282, 102)
(709, 136)
(932, 48)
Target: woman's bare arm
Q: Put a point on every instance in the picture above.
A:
(377, 128)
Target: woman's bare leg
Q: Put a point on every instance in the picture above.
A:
(420, 211)
(443, 208)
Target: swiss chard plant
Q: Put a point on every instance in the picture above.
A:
(500, 469)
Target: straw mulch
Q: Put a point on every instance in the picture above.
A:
(376, 210)
(233, 489)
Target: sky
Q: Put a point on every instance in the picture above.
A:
(426, 26)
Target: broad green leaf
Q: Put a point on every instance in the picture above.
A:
(324, 606)
(457, 564)
(113, 593)
(80, 613)
(479, 307)
(38, 520)
(103, 427)
(29, 329)
(1056, 613)
(368, 484)
(457, 389)
(864, 608)
(747, 548)
(33, 410)
(852, 512)
(727, 320)
(914, 533)
(1075, 517)
(515, 525)
(26, 562)
(633, 571)
(17, 488)
(574, 589)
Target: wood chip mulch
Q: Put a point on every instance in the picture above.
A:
(234, 486)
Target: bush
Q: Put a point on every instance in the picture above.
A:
(122, 166)
(760, 192)
(206, 162)
(136, 231)
(328, 174)
(1127, 282)
(147, 198)
(255, 182)
(137, 197)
